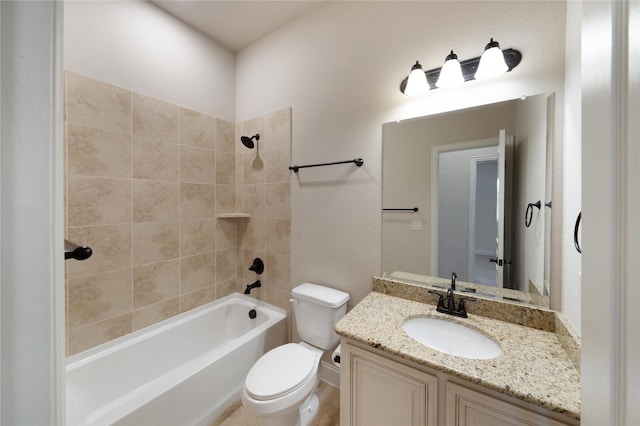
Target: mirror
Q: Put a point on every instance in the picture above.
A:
(460, 194)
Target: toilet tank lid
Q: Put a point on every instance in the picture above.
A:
(322, 295)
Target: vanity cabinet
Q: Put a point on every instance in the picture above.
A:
(385, 392)
(466, 407)
(377, 388)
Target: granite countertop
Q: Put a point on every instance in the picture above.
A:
(533, 367)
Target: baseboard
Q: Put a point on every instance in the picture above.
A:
(330, 374)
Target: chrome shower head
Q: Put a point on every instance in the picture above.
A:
(248, 141)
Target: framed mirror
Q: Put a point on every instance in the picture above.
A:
(468, 191)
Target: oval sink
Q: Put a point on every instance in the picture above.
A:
(451, 338)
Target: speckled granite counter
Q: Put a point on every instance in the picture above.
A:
(534, 367)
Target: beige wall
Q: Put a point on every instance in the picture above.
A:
(145, 180)
(340, 67)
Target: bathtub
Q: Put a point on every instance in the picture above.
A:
(182, 371)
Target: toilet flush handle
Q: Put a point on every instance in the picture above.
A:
(294, 301)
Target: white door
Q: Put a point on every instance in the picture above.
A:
(503, 239)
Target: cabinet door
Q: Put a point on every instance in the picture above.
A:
(383, 392)
(465, 407)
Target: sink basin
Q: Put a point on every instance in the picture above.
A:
(451, 338)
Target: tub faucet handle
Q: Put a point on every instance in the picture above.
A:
(257, 266)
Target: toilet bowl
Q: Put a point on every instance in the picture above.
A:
(279, 388)
(281, 381)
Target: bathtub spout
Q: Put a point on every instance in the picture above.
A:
(251, 286)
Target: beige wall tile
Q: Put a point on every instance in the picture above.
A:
(278, 236)
(111, 245)
(226, 264)
(278, 160)
(253, 166)
(225, 288)
(197, 236)
(197, 298)
(278, 201)
(92, 103)
(154, 241)
(155, 200)
(157, 312)
(197, 272)
(254, 234)
(145, 181)
(253, 199)
(95, 334)
(98, 201)
(225, 199)
(197, 129)
(197, 165)
(225, 136)
(279, 271)
(153, 118)
(155, 282)
(227, 233)
(154, 159)
(278, 128)
(225, 168)
(98, 297)
(281, 299)
(197, 200)
(94, 152)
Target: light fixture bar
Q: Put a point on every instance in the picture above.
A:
(469, 67)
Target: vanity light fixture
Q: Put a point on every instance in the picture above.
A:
(475, 68)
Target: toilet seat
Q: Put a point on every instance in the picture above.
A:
(281, 371)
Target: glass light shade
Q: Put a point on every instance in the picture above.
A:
(450, 73)
(492, 62)
(417, 81)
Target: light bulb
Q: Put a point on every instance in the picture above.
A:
(492, 62)
(451, 72)
(417, 81)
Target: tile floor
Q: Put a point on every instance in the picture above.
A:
(329, 414)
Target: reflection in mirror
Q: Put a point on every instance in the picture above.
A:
(472, 174)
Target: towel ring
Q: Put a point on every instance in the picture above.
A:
(528, 215)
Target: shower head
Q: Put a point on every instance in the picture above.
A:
(248, 141)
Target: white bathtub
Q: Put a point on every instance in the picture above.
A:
(182, 371)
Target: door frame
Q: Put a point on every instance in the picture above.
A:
(32, 327)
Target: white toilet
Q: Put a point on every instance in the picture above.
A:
(279, 388)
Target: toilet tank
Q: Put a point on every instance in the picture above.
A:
(317, 308)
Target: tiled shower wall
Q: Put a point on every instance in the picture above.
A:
(145, 180)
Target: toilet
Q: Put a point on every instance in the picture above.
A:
(280, 387)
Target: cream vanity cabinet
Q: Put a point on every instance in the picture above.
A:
(379, 389)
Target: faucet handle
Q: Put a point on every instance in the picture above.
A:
(440, 297)
(461, 306)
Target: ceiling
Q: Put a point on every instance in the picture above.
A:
(236, 24)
